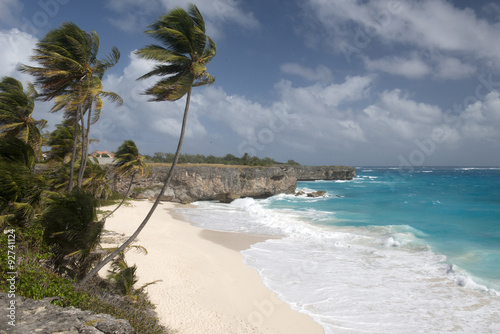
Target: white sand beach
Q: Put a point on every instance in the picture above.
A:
(205, 287)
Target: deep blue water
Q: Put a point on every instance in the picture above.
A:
(392, 251)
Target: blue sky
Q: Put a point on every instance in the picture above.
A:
(372, 82)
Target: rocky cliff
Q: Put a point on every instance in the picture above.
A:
(226, 183)
(40, 316)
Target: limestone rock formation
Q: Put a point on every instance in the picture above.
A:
(40, 316)
(227, 183)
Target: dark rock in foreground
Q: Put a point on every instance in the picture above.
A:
(40, 316)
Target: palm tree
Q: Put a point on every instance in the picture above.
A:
(124, 277)
(72, 230)
(20, 188)
(181, 61)
(68, 66)
(16, 110)
(128, 163)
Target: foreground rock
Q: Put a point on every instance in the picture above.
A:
(227, 183)
(40, 316)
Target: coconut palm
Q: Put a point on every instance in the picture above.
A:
(20, 188)
(61, 144)
(16, 110)
(128, 163)
(92, 107)
(68, 66)
(72, 231)
(182, 61)
(124, 277)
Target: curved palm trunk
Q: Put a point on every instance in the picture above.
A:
(123, 200)
(75, 143)
(85, 149)
(155, 204)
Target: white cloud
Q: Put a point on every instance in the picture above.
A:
(306, 121)
(432, 25)
(16, 50)
(411, 67)
(320, 73)
(453, 68)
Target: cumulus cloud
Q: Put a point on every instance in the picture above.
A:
(346, 120)
(15, 45)
(412, 67)
(432, 25)
(453, 68)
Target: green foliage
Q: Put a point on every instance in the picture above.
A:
(37, 282)
(228, 159)
(61, 144)
(72, 231)
(20, 189)
(128, 162)
(16, 109)
(57, 236)
(183, 55)
(123, 277)
(95, 180)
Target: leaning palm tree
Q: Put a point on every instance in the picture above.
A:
(128, 163)
(16, 110)
(181, 61)
(68, 63)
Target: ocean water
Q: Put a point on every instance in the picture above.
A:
(392, 251)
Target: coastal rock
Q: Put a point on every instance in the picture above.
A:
(227, 183)
(40, 316)
(319, 193)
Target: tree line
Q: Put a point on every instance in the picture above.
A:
(228, 159)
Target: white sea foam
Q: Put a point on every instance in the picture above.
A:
(378, 279)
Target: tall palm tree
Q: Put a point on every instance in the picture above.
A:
(68, 65)
(181, 61)
(16, 110)
(128, 163)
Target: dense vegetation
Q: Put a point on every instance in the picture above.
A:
(228, 159)
(51, 229)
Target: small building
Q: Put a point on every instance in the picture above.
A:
(102, 154)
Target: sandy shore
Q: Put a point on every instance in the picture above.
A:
(205, 286)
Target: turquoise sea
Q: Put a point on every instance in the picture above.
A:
(391, 251)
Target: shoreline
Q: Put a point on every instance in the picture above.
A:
(205, 287)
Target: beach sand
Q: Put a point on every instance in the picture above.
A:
(205, 287)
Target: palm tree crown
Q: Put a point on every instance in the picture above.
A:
(186, 51)
(71, 74)
(66, 56)
(16, 110)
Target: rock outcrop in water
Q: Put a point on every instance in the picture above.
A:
(227, 183)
